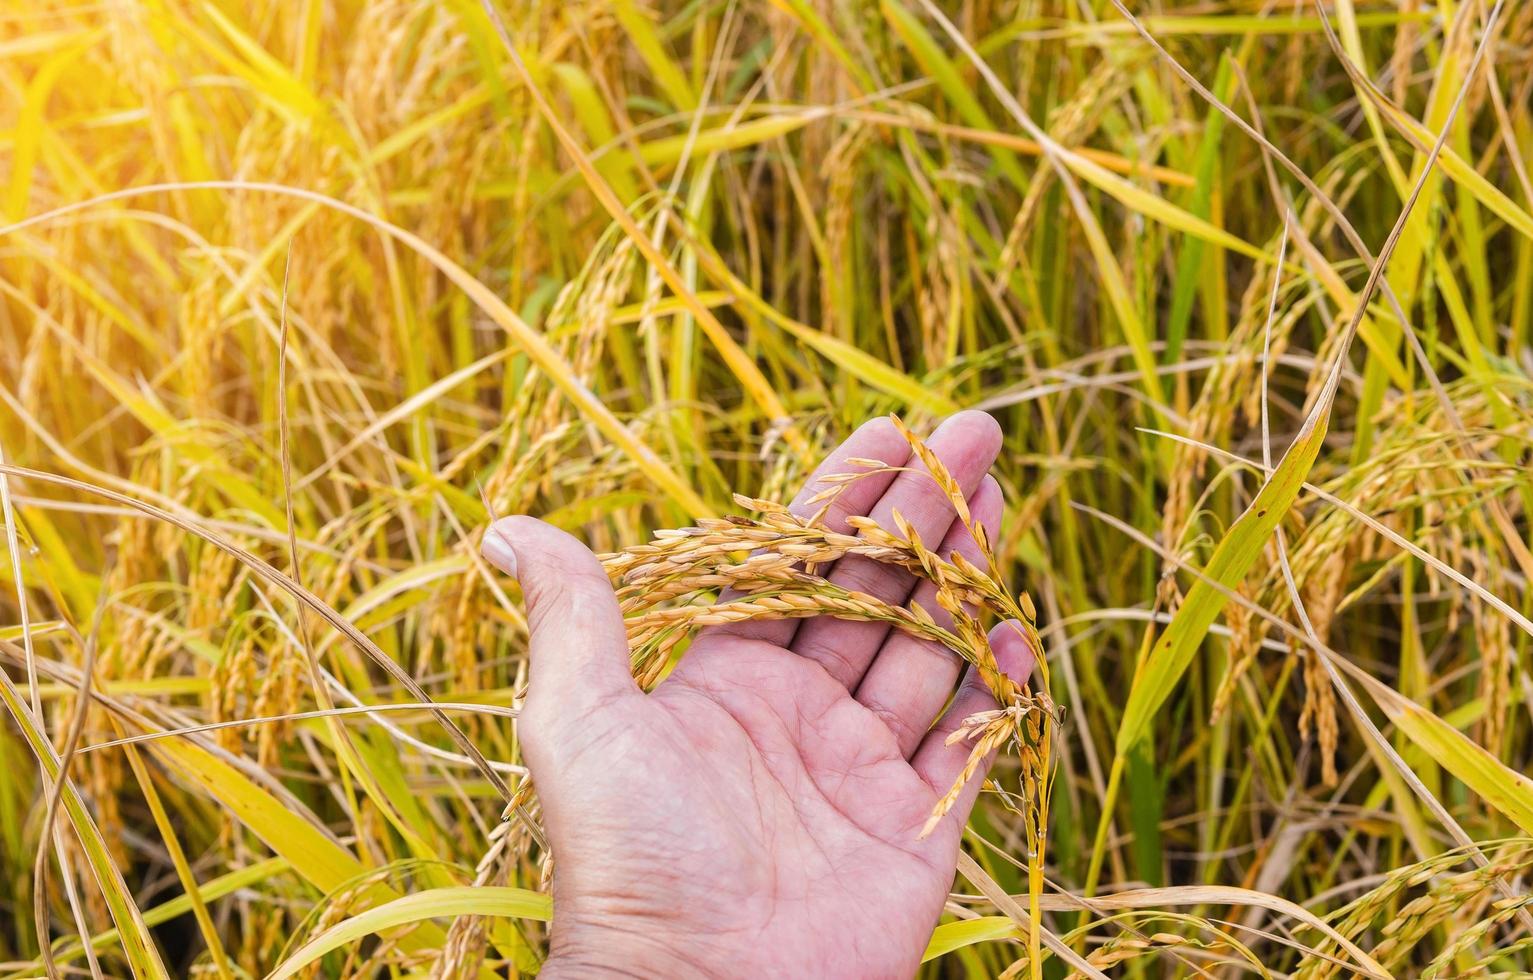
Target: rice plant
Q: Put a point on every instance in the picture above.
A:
(297, 296)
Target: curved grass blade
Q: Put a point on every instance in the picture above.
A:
(490, 901)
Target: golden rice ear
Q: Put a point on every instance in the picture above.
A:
(670, 587)
(939, 472)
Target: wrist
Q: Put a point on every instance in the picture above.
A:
(611, 951)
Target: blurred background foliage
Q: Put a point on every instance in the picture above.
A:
(706, 241)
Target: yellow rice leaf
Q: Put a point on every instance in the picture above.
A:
(411, 133)
(1456, 167)
(30, 126)
(1157, 208)
(667, 74)
(37, 42)
(594, 119)
(271, 76)
(214, 888)
(13, 633)
(1158, 676)
(669, 149)
(399, 589)
(1507, 790)
(810, 20)
(967, 932)
(870, 370)
(311, 852)
(435, 903)
(314, 854)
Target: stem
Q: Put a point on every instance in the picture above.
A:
(1099, 846)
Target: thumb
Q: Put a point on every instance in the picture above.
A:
(579, 648)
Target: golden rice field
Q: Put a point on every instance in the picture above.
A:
(297, 294)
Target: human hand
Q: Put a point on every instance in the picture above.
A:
(759, 812)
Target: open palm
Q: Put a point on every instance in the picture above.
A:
(759, 813)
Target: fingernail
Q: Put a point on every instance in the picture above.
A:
(498, 550)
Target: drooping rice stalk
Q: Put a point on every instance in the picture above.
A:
(665, 585)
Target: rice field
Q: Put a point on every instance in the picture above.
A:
(298, 295)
